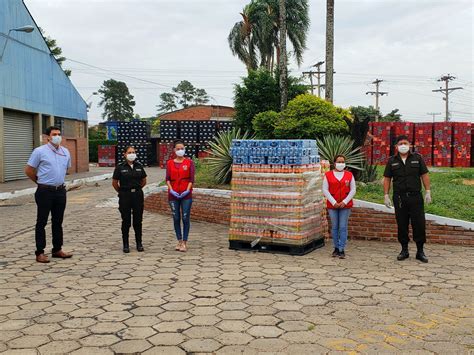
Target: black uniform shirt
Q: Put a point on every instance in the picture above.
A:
(406, 176)
(129, 178)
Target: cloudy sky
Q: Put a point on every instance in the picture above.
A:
(154, 44)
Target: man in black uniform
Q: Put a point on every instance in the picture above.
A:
(407, 169)
(128, 180)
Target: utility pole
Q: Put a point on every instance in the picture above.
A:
(377, 93)
(446, 91)
(433, 114)
(318, 77)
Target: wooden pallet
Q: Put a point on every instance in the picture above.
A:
(278, 248)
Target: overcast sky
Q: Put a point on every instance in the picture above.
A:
(154, 44)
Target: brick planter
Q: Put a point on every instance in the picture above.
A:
(368, 221)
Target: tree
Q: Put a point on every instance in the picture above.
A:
(282, 63)
(260, 92)
(200, 97)
(393, 116)
(264, 124)
(329, 49)
(255, 39)
(185, 91)
(117, 101)
(55, 50)
(168, 102)
(359, 125)
(310, 117)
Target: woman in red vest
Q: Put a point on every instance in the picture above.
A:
(180, 179)
(339, 188)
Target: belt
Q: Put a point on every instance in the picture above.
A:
(408, 193)
(52, 187)
(131, 190)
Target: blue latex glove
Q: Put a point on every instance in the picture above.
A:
(174, 193)
(184, 194)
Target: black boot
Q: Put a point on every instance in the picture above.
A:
(126, 247)
(139, 243)
(420, 254)
(403, 254)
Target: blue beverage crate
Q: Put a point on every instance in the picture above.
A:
(276, 160)
(313, 159)
(241, 160)
(296, 160)
(239, 143)
(257, 160)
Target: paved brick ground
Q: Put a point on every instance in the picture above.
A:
(214, 300)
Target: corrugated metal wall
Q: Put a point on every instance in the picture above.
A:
(30, 78)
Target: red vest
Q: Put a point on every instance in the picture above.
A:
(339, 189)
(179, 178)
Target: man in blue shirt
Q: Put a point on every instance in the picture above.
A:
(47, 167)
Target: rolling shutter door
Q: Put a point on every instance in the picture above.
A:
(18, 143)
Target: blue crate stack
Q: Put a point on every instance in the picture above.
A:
(282, 152)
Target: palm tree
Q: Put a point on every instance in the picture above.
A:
(329, 49)
(282, 63)
(255, 39)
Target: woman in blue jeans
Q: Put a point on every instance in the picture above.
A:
(180, 179)
(339, 188)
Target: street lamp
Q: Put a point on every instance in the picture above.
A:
(89, 105)
(26, 29)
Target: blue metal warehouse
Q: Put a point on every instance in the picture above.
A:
(34, 93)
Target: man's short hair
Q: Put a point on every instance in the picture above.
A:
(402, 137)
(52, 128)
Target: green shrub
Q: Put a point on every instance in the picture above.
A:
(264, 124)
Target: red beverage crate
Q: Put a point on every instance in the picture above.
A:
(403, 128)
(106, 155)
(381, 132)
(442, 144)
(423, 141)
(462, 141)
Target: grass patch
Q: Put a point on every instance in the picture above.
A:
(450, 189)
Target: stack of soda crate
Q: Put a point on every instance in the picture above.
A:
(189, 131)
(424, 141)
(106, 155)
(462, 144)
(403, 129)
(277, 198)
(207, 131)
(381, 142)
(166, 153)
(442, 144)
(169, 131)
(224, 126)
(135, 133)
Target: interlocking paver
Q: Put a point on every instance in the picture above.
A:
(212, 299)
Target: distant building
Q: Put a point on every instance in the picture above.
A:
(34, 94)
(201, 113)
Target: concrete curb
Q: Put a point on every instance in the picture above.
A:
(69, 185)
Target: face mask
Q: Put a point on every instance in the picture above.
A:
(340, 166)
(403, 148)
(180, 152)
(131, 157)
(56, 140)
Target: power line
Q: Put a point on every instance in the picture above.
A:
(318, 74)
(377, 93)
(446, 91)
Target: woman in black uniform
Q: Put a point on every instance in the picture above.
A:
(128, 180)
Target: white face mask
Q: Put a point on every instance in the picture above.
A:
(131, 157)
(340, 166)
(56, 140)
(180, 152)
(403, 148)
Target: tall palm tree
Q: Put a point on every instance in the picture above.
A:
(255, 39)
(329, 49)
(282, 63)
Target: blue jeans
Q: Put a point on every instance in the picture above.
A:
(339, 220)
(181, 209)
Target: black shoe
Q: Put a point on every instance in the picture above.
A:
(422, 257)
(335, 253)
(342, 255)
(403, 255)
(126, 249)
(140, 247)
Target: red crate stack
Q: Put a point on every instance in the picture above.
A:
(367, 147)
(381, 142)
(462, 144)
(442, 144)
(424, 141)
(106, 155)
(403, 128)
(166, 153)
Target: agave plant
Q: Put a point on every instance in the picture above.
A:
(331, 146)
(368, 173)
(220, 159)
